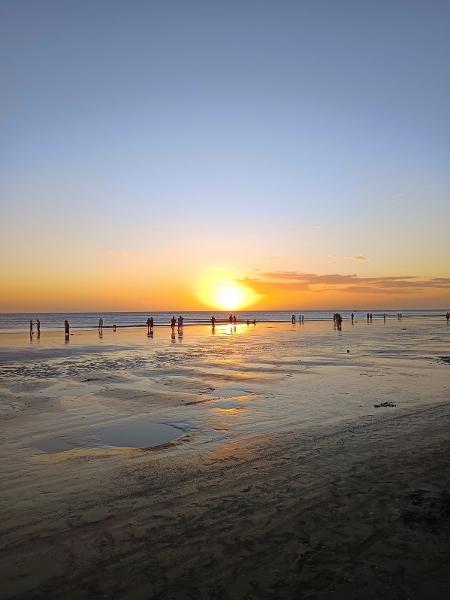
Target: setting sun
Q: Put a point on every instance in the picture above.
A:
(220, 290)
(229, 296)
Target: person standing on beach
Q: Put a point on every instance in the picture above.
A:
(213, 321)
(31, 327)
(230, 319)
(38, 327)
(234, 319)
(100, 325)
(173, 322)
(353, 318)
(180, 324)
(148, 326)
(293, 319)
(66, 329)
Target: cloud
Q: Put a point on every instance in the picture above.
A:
(285, 282)
(356, 258)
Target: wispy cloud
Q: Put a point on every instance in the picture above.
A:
(356, 258)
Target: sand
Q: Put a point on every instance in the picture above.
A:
(246, 464)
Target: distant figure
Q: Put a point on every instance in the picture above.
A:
(371, 317)
(293, 319)
(368, 317)
(384, 317)
(230, 319)
(447, 316)
(254, 321)
(66, 329)
(353, 317)
(31, 327)
(173, 322)
(234, 319)
(303, 319)
(149, 326)
(248, 322)
(100, 325)
(114, 327)
(213, 321)
(180, 324)
(338, 321)
(38, 326)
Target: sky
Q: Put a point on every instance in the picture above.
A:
(152, 151)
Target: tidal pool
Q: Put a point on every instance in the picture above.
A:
(134, 432)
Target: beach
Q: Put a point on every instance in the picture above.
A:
(267, 461)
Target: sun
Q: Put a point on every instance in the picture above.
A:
(229, 296)
(225, 293)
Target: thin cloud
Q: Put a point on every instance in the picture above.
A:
(356, 258)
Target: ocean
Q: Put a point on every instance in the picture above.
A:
(20, 321)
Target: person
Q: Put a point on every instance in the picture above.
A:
(114, 327)
(234, 319)
(148, 326)
(384, 317)
(31, 327)
(173, 322)
(100, 325)
(151, 324)
(293, 319)
(368, 317)
(38, 327)
(254, 321)
(230, 319)
(447, 316)
(303, 319)
(66, 329)
(353, 317)
(180, 323)
(371, 317)
(248, 322)
(338, 321)
(213, 321)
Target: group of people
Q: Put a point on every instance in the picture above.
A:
(337, 320)
(38, 327)
(301, 319)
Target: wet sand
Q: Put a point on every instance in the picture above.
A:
(246, 464)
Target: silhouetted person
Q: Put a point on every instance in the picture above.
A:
(353, 318)
(38, 327)
(338, 321)
(100, 325)
(254, 321)
(213, 321)
(293, 319)
(173, 322)
(230, 319)
(368, 317)
(234, 319)
(149, 326)
(384, 317)
(180, 324)
(114, 327)
(31, 327)
(447, 316)
(66, 329)
(248, 322)
(371, 317)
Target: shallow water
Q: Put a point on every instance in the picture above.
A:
(136, 432)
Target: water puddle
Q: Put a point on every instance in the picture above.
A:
(135, 432)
